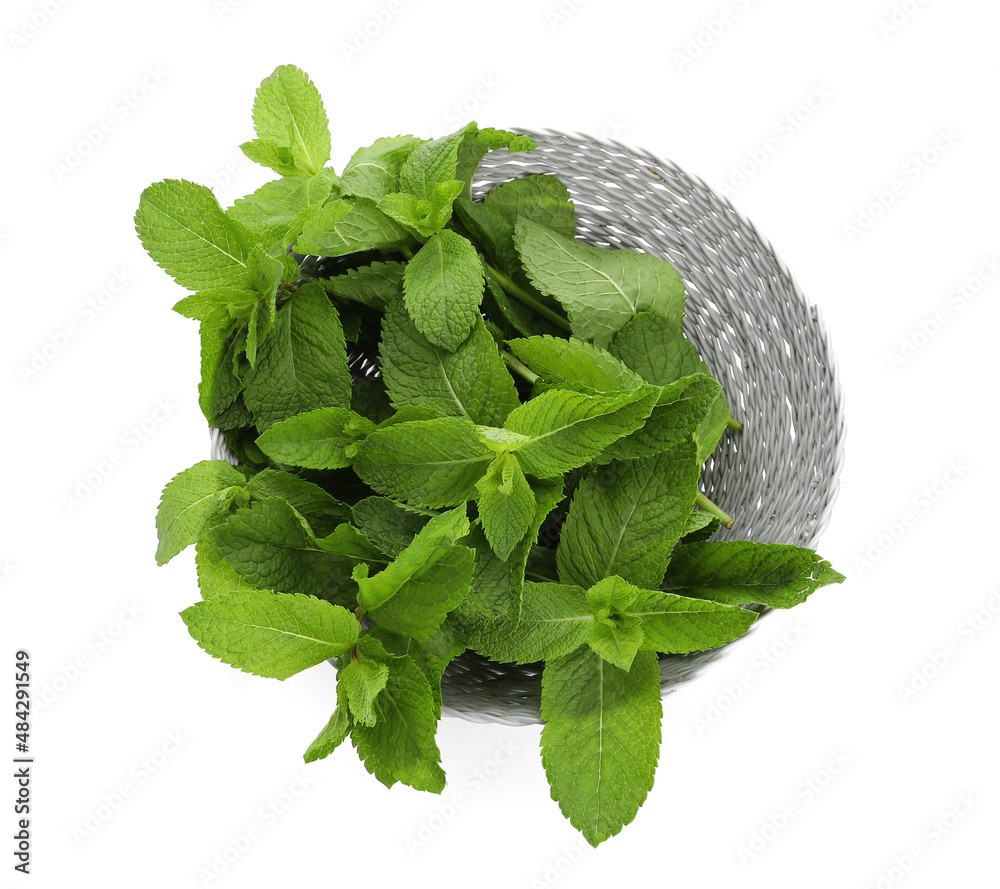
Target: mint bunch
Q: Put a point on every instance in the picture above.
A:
(520, 480)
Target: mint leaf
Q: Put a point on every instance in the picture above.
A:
(376, 285)
(400, 745)
(624, 519)
(189, 501)
(373, 172)
(506, 504)
(477, 143)
(427, 463)
(700, 526)
(267, 154)
(334, 732)
(616, 640)
(429, 593)
(675, 624)
(739, 572)
(425, 216)
(216, 576)
(684, 409)
(432, 655)
(470, 382)
(496, 583)
(391, 526)
(345, 226)
(268, 544)
(553, 620)
(574, 364)
(271, 634)
(601, 289)
(655, 347)
(326, 438)
(540, 198)
(565, 430)
(187, 234)
(276, 211)
(432, 163)
(289, 119)
(434, 541)
(321, 511)
(362, 680)
(601, 738)
(302, 363)
(415, 592)
(442, 288)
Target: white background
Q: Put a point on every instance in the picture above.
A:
(803, 735)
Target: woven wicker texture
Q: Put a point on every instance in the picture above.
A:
(764, 342)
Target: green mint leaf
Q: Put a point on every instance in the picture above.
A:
(684, 409)
(216, 576)
(334, 732)
(391, 526)
(400, 745)
(377, 285)
(189, 501)
(267, 154)
(740, 572)
(425, 216)
(218, 303)
(373, 171)
(270, 545)
(326, 438)
(288, 115)
(302, 363)
(470, 382)
(187, 234)
(700, 526)
(611, 596)
(541, 198)
(601, 289)
(625, 518)
(553, 620)
(363, 679)
(271, 634)
(432, 655)
(427, 596)
(349, 226)
(601, 738)
(276, 211)
(496, 583)
(506, 504)
(321, 511)
(655, 347)
(565, 430)
(478, 142)
(574, 364)
(443, 287)
(426, 463)
(675, 624)
(616, 640)
(432, 163)
(435, 540)
(488, 230)
(414, 593)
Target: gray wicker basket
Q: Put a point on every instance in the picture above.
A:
(763, 341)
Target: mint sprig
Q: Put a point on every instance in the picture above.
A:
(519, 480)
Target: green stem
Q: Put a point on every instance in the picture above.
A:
(521, 295)
(710, 507)
(734, 424)
(518, 366)
(406, 251)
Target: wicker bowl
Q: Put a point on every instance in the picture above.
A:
(764, 342)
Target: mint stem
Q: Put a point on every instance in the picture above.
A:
(518, 366)
(734, 424)
(710, 507)
(521, 295)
